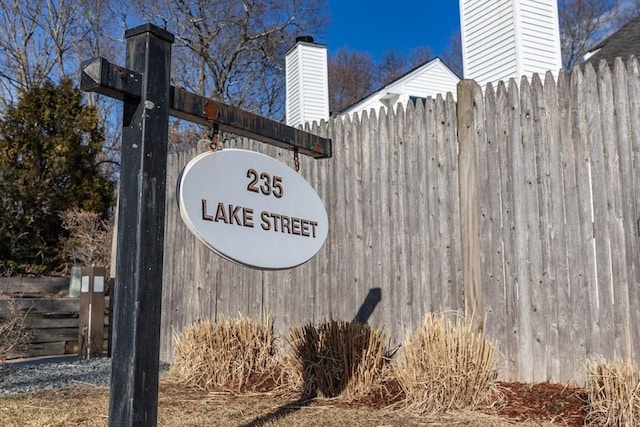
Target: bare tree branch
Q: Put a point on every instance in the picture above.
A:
(232, 50)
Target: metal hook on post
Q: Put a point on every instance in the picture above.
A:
(296, 161)
(211, 113)
(213, 136)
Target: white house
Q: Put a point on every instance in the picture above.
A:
(429, 79)
(503, 39)
(307, 94)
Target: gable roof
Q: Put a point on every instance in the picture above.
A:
(397, 84)
(624, 43)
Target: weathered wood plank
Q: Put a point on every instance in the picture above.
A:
(558, 282)
(616, 250)
(426, 142)
(449, 177)
(54, 334)
(325, 276)
(600, 297)
(30, 286)
(528, 189)
(435, 272)
(633, 85)
(42, 305)
(628, 187)
(540, 248)
(495, 296)
(341, 296)
(599, 291)
(359, 222)
(352, 297)
(486, 186)
(387, 237)
(40, 349)
(401, 252)
(470, 133)
(454, 186)
(415, 216)
(71, 321)
(509, 346)
(575, 325)
(364, 223)
(586, 288)
(394, 273)
(520, 257)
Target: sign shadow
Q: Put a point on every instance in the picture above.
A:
(319, 346)
(368, 306)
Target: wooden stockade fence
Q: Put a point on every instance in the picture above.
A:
(520, 204)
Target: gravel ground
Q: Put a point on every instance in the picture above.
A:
(30, 376)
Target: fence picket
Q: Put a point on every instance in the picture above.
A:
(495, 297)
(615, 304)
(559, 295)
(633, 70)
(542, 276)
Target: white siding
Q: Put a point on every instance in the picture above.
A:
(502, 39)
(540, 37)
(436, 79)
(429, 80)
(307, 97)
(292, 86)
(489, 46)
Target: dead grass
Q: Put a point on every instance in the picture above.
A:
(613, 390)
(446, 366)
(225, 354)
(87, 406)
(337, 359)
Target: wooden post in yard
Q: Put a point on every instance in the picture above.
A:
(91, 317)
(138, 288)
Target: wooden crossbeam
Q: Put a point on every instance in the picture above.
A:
(100, 76)
(192, 107)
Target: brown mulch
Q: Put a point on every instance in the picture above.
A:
(519, 402)
(559, 403)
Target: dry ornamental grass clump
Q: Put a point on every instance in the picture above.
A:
(337, 359)
(613, 391)
(446, 366)
(224, 354)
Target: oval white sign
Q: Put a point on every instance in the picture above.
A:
(252, 209)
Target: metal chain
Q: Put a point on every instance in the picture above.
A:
(296, 161)
(213, 135)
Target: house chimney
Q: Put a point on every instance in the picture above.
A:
(307, 87)
(502, 39)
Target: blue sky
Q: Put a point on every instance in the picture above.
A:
(376, 26)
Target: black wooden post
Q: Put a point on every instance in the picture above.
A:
(138, 287)
(143, 85)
